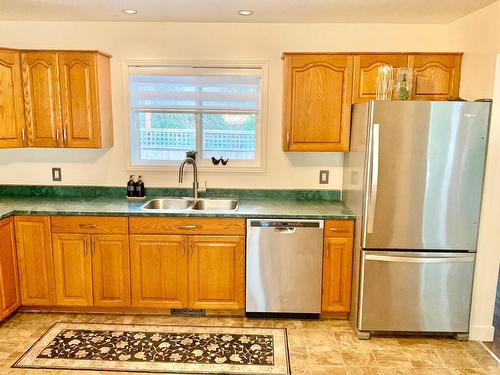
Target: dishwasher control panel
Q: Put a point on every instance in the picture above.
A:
(286, 224)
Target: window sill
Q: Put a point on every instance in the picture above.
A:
(201, 168)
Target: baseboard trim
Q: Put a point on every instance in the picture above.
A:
(481, 333)
(121, 311)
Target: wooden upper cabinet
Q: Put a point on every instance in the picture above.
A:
(436, 76)
(42, 101)
(159, 267)
(34, 251)
(366, 71)
(217, 272)
(12, 124)
(67, 99)
(86, 100)
(317, 102)
(72, 269)
(10, 298)
(110, 270)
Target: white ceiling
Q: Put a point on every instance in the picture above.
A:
(370, 11)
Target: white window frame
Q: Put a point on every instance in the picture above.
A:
(258, 165)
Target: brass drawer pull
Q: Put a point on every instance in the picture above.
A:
(88, 226)
(337, 230)
(187, 227)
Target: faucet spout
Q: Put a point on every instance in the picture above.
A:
(191, 161)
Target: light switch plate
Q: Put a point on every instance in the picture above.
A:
(324, 176)
(56, 174)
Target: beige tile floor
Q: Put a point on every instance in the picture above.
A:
(316, 347)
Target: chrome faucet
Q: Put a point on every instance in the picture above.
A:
(191, 161)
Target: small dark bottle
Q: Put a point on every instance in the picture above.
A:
(139, 188)
(131, 186)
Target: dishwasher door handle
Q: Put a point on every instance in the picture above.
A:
(285, 230)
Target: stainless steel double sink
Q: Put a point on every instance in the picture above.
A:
(185, 204)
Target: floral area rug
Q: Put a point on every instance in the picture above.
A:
(153, 348)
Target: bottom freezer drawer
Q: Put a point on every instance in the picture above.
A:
(415, 292)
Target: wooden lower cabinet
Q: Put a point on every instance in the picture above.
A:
(34, 251)
(217, 272)
(10, 298)
(110, 270)
(203, 272)
(72, 269)
(159, 271)
(337, 266)
(91, 270)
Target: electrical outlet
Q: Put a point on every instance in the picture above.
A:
(324, 176)
(56, 174)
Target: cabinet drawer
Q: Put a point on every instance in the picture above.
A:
(186, 225)
(89, 224)
(339, 228)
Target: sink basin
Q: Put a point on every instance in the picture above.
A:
(183, 204)
(215, 205)
(168, 204)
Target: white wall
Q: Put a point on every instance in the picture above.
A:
(478, 35)
(198, 41)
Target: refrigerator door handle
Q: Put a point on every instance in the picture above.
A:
(374, 176)
(400, 259)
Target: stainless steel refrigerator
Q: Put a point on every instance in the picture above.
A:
(414, 178)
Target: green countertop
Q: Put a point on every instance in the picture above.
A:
(113, 206)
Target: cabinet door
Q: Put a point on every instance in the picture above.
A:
(159, 271)
(436, 76)
(317, 102)
(337, 274)
(42, 102)
(366, 71)
(11, 101)
(73, 269)
(111, 270)
(34, 251)
(77, 71)
(10, 298)
(216, 272)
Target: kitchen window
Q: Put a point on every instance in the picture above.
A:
(216, 110)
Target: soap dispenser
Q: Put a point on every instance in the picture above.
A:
(139, 188)
(131, 186)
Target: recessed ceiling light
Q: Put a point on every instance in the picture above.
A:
(245, 12)
(129, 11)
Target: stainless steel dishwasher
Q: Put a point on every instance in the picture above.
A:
(284, 260)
